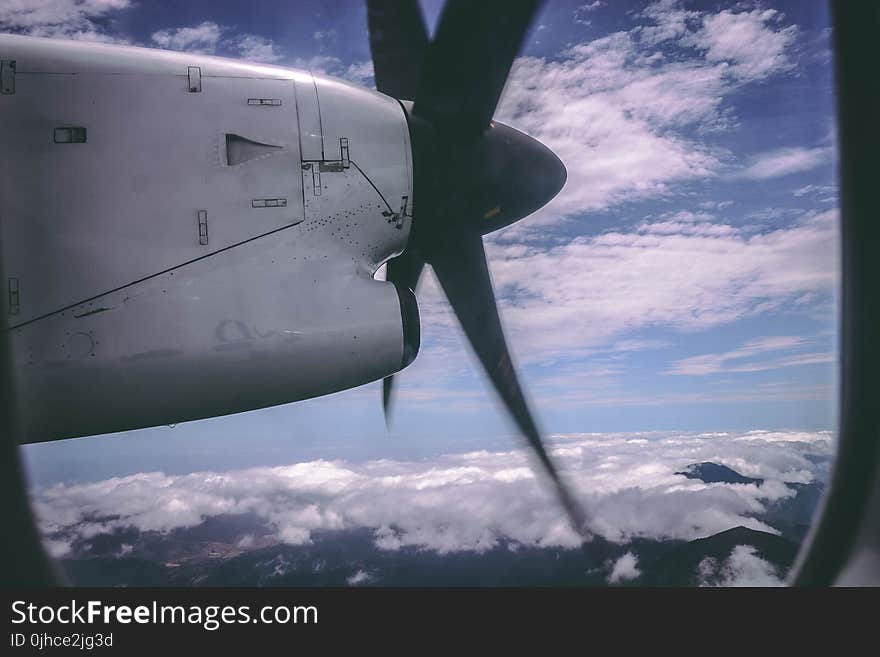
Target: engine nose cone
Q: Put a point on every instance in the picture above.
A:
(484, 183)
(519, 175)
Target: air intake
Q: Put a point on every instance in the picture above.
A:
(240, 150)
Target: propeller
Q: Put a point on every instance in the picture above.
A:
(472, 175)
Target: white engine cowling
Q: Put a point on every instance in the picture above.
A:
(190, 236)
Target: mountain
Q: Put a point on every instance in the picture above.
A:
(793, 515)
(714, 473)
(790, 515)
(680, 565)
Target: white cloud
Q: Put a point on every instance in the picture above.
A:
(588, 107)
(748, 45)
(828, 190)
(624, 569)
(566, 303)
(210, 38)
(687, 275)
(669, 20)
(358, 578)
(716, 205)
(742, 568)
(324, 37)
(29, 13)
(588, 104)
(750, 357)
(360, 72)
(748, 42)
(580, 13)
(68, 19)
(461, 501)
(785, 161)
(84, 20)
(592, 393)
(257, 49)
(57, 548)
(202, 38)
(772, 214)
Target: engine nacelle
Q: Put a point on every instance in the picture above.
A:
(187, 236)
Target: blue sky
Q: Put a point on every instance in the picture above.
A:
(684, 279)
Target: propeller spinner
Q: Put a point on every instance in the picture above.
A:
(472, 175)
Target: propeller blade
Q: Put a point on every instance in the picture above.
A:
(398, 41)
(387, 391)
(404, 271)
(466, 66)
(461, 268)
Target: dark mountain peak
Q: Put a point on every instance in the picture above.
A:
(739, 533)
(679, 565)
(714, 473)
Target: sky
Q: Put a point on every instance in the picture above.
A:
(683, 282)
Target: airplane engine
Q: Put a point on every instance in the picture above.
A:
(190, 236)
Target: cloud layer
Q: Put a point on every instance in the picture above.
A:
(470, 501)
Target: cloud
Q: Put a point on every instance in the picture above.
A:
(588, 108)
(589, 393)
(359, 72)
(716, 205)
(57, 549)
(669, 20)
(580, 13)
(202, 38)
(750, 357)
(828, 190)
(670, 272)
(324, 36)
(29, 13)
(69, 19)
(747, 42)
(257, 49)
(624, 569)
(460, 502)
(210, 38)
(87, 20)
(568, 304)
(784, 161)
(742, 568)
(359, 578)
(588, 103)
(748, 45)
